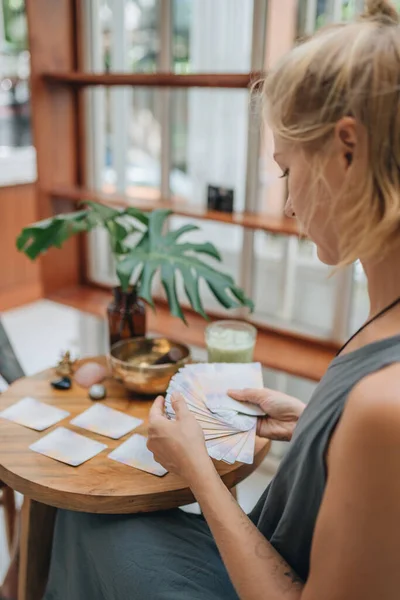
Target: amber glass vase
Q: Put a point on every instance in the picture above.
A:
(126, 315)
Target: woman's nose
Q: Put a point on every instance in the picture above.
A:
(289, 212)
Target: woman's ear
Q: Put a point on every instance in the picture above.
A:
(346, 140)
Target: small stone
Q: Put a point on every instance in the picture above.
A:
(97, 392)
(62, 384)
(89, 374)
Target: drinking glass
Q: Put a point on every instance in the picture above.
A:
(230, 341)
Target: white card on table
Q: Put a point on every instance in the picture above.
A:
(34, 414)
(135, 453)
(67, 446)
(104, 420)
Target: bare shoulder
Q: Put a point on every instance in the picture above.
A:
(377, 396)
(371, 419)
(355, 535)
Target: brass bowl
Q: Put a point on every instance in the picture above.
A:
(131, 363)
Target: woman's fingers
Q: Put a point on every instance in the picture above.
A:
(157, 409)
(241, 395)
(179, 405)
(247, 395)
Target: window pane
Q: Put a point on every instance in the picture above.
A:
(137, 136)
(212, 36)
(327, 11)
(292, 288)
(134, 29)
(209, 127)
(209, 143)
(17, 156)
(268, 275)
(182, 18)
(130, 42)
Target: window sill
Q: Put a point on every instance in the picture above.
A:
(275, 349)
(255, 221)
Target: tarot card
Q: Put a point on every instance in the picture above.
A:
(34, 414)
(135, 453)
(246, 454)
(106, 421)
(67, 446)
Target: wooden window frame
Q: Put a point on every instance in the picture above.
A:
(57, 84)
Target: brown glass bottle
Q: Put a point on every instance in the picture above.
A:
(126, 315)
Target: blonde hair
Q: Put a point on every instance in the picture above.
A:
(350, 69)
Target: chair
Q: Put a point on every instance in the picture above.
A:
(7, 501)
(10, 370)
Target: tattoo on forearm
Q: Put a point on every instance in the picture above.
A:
(285, 575)
(291, 575)
(279, 567)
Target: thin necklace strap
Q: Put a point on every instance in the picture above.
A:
(379, 314)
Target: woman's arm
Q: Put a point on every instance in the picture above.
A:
(257, 571)
(356, 544)
(356, 547)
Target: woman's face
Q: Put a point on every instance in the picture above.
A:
(310, 201)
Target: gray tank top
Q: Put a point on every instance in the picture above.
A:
(286, 513)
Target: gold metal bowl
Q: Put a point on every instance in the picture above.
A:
(131, 363)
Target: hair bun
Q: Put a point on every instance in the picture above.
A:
(374, 9)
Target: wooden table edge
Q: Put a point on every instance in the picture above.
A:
(123, 504)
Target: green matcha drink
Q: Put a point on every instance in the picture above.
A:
(230, 342)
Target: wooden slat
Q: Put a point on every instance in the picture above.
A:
(207, 80)
(52, 41)
(281, 350)
(263, 222)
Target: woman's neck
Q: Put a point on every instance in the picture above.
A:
(383, 281)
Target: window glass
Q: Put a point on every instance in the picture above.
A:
(17, 156)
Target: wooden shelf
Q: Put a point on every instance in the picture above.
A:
(206, 80)
(281, 350)
(262, 222)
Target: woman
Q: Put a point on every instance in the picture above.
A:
(328, 525)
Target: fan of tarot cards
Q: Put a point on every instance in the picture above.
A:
(229, 426)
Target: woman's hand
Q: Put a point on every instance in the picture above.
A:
(282, 412)
(178, 445)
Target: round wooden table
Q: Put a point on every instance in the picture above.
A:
(100, 485)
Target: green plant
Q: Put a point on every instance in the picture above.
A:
(141, 247)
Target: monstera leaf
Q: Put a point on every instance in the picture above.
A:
(39, 237)
(120, 224)
(141, 249)
(159, 251)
